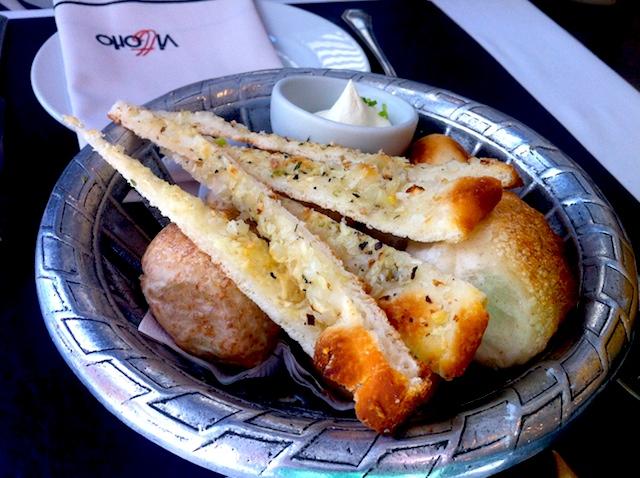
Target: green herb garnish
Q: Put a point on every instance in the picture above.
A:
(369, 101)
(297, 166)
(384, 113)
(279, 172)
(221, 142)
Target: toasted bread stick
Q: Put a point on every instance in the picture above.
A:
(440, 210)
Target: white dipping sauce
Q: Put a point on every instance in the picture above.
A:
(350, 108)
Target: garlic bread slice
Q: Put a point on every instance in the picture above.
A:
(441, 319)
(437, 209)
(424, 169)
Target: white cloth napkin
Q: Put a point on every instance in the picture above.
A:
(136, 51)
(599, 108)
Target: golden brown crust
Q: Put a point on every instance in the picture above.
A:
(446, 349)
(385, 400)
(472, 199)
(509, 176)
(200, 307)
(472, 322)
(345, 355)
(383, 397)
(437, 149)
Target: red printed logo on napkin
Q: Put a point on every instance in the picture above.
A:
(142, 42)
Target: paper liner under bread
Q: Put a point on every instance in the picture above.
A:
(281, 356)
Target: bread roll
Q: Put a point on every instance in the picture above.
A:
(517, 261)
(200, 307)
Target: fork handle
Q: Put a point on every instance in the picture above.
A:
(360, 22)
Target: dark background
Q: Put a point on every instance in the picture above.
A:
(50, 425)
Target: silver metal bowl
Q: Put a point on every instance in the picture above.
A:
(88, 264)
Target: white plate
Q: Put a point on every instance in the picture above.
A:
(300, 38)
